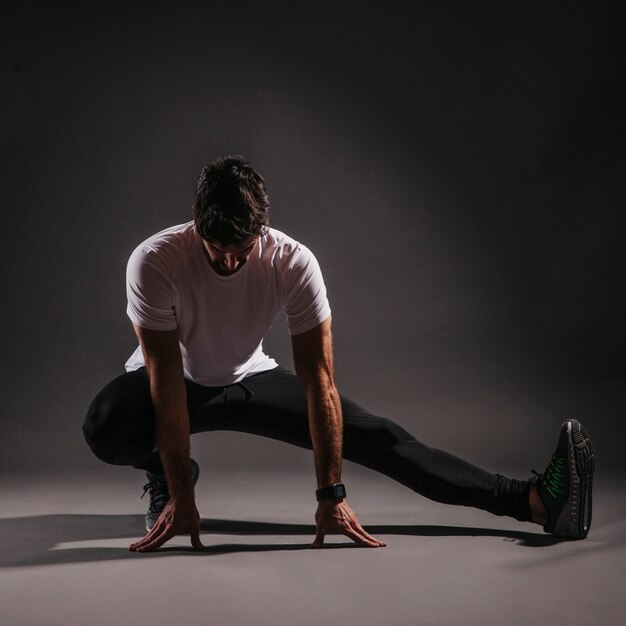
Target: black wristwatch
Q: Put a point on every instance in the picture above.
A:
(333, 492)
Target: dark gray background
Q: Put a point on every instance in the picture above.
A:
(458, 169)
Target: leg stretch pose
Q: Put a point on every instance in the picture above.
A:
(120, 429)
(202, 296)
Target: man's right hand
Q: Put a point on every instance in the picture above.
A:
(179, 517)
(164, 365)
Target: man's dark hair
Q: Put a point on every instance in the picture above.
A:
(231, 204)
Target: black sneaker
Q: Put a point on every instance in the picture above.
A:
(565, 486)
(159, 495)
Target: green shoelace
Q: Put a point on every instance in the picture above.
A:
(553, 478)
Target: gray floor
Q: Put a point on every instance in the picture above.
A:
(64, 558)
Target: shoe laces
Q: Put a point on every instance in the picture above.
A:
(553, 479)
(159, 494)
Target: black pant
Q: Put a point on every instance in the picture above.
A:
(120, 429)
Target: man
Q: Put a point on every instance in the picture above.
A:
(202, 296)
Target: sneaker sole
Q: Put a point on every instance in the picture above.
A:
(575, 519)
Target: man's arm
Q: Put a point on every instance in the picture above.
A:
(169, 398)
(313, 360)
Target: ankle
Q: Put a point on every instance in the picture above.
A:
(539, 514)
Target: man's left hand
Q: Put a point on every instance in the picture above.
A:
(334, 518)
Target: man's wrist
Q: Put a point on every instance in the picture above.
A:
(336, 491)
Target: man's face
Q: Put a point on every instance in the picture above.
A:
(226, 260)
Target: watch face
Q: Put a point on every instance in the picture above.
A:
(340, 491)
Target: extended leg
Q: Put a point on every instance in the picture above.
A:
(278, 410)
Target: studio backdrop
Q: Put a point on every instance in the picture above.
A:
(457, 168)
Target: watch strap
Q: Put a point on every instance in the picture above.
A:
(332, 492)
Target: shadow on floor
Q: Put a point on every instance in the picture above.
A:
(26, 541)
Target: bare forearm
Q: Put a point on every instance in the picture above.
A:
(163, 360)
(326, 426)
(169, 399)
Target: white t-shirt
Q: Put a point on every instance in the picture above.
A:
(222, 320)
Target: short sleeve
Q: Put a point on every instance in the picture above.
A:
(150, 292)
(306, 302)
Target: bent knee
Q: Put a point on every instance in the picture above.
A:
(114, 437)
